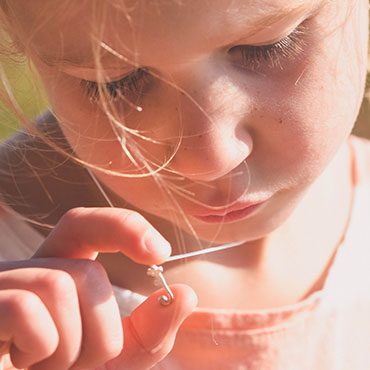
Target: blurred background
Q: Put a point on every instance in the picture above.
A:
(28, 93)
(18, 79)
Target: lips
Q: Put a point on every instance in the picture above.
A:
(230, 214)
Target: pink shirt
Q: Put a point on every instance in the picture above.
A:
(330, 330)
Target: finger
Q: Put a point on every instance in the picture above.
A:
(83, 232)
(102, 331)
(57, 292)
(27, 324)
(151, 329)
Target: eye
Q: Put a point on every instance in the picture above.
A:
(272, 55)
(129, 86)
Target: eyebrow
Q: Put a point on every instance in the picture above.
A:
(309, 8)
(75, 60)
(312, 6)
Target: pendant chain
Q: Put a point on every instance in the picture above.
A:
(156, 271)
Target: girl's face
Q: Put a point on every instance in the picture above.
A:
(262, 94)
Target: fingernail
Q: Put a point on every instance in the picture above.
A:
(156, 244)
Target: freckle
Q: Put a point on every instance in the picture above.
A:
(280, 120)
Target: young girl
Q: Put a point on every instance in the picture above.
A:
(174, 127)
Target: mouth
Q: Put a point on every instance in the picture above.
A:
(231, 214)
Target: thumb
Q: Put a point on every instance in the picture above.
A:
(151, 329)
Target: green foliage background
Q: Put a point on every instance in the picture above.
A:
(27, 91)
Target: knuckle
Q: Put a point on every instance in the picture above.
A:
(133, 222)
(103, 352)
(70, 222)
(94, 268)
(102, 357)
(23, 303)
(70, 216)
(88, 273)
(113, 350)
(88, 269)
(57, 282)
(133, 217)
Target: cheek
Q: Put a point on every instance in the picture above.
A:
(294, 139)
(306, 120)
(115, 141)
(91, 137)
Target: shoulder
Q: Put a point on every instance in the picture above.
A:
(32, 170)
(360, 143)
(358, 227)
(26, 169)
(23, 148)
(39, 178)
(361, 159)
(23, 142)
(18, 239)
(353, 257)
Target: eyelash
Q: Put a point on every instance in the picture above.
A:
(252, 57)
(289, 47)
(115, 90)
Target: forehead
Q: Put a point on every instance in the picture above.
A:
(73, 30)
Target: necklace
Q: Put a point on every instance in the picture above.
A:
(156, 272)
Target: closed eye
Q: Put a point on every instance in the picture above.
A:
(129, 86)
(272, 55)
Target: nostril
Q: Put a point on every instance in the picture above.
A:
(212, 162)
(216, 190)
(244, 140)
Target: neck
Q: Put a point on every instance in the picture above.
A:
(294, 259)
(279, 269)
(299, 254)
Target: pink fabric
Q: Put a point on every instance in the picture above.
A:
(330, 330)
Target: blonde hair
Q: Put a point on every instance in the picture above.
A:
(16, 45)
(23, 46)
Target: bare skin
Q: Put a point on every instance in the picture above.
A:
(285, 123)
(45, 299)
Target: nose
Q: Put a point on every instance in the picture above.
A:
(215, 137)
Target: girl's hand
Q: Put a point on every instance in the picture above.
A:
(58, 311)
